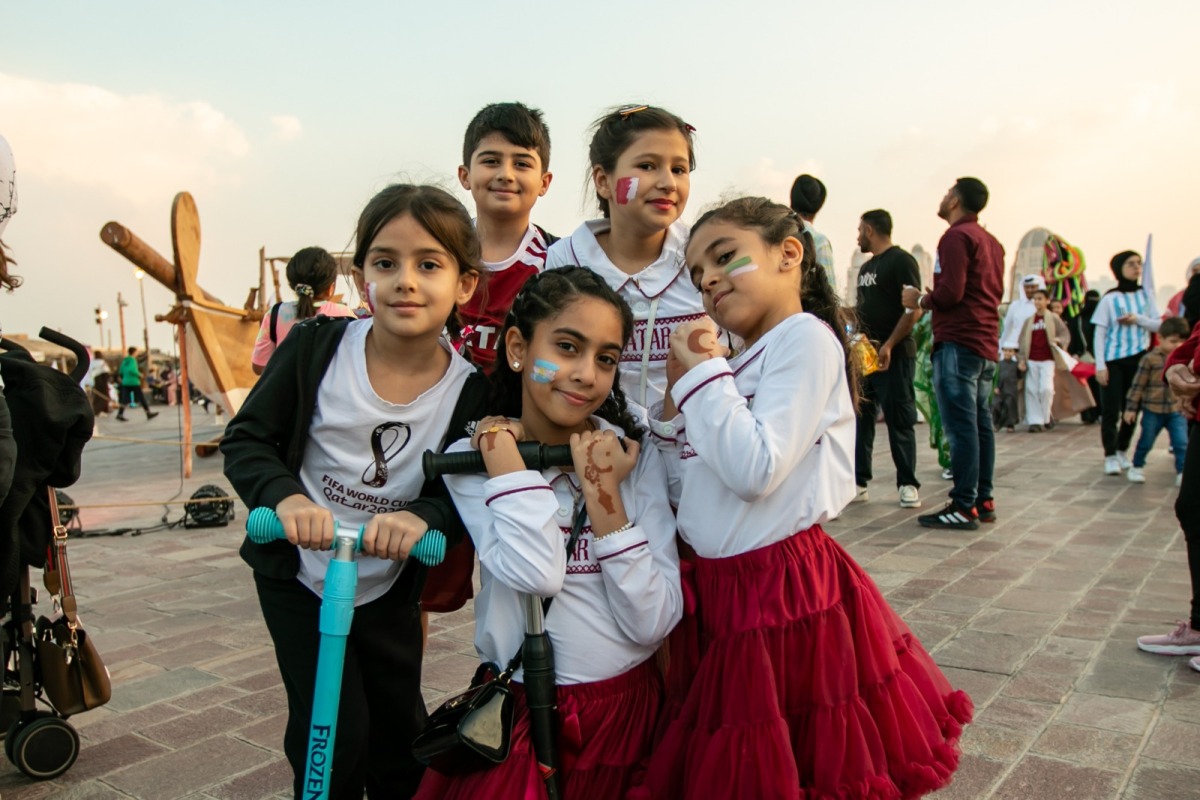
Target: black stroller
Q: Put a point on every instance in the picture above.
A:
(52, 421)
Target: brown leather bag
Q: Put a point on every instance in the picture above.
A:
(74, 677)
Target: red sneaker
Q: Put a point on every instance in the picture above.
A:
(986, 509)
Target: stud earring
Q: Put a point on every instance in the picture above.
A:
(516, 365)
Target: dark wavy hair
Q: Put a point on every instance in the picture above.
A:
(614, 132)
(775, 222)
(446, 220)
(545, 296)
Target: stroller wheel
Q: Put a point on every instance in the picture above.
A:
(43, 748)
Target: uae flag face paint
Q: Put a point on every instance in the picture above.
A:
(626, 190)
(740, 267)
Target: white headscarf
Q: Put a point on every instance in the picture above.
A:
(8, 184)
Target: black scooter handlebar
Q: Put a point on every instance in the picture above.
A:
(537, 456)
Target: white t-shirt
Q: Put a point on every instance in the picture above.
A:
(614, 600)
(1019, 310)
(661, 296)
(764, 444)
(364, 454)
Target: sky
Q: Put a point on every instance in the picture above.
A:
(283, 119)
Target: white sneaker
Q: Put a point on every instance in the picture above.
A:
(1178, 480)
(1112, 466)
(861, 496)
(947, 474)
(1124, 461)
(909, 497)
(1135, 475)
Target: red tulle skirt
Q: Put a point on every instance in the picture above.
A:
(606, 733)
(808, 686)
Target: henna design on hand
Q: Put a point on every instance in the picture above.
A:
(591, 474)
(694, 342)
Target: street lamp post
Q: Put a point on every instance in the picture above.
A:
(121, 305)
(140, 275)
(101, 315)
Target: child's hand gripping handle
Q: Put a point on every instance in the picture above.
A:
(536, 456)
(262, 526)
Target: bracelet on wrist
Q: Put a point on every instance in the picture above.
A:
(498, 429)
(621, 529)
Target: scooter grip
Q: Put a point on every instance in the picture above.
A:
(263, 526)
(537, 456)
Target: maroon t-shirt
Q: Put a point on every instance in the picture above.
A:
(1039, 344)
(968, 284)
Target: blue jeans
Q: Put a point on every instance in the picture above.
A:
(1152, 425)
(962, 381)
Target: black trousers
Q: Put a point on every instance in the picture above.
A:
(1187, 510)
(128, 394)
(8, 449)
(1115, 433)
(892, 392)
(381, 708)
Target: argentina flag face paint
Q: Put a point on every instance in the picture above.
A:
(543, 371)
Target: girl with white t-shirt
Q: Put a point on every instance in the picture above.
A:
(642, 158)
(312, 273)
(807, 684)
(617, 594)
(335, 428)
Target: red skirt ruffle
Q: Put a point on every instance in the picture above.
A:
(809, 686)
(607, 730)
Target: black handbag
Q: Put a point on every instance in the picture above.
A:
(472, 731)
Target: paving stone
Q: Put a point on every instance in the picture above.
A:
(1157, 781)
(209, 763)
(1017, 714)
(1042, 687)
(975, 777)
(265, 781)
(1089, 747)
(160, 687)
(1109, 713)
(1016, 622)
(996, 742)
(189, 729)
(981, 686)
(1174, 741)
(988, 652)
(1038, 778)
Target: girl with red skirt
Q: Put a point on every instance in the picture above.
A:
(807, 685)
(617, 593)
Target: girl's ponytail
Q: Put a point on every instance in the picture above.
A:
(310, 273)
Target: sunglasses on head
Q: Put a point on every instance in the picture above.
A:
(626, 112)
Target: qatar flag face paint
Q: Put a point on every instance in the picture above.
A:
(626, 190)
(372, 287)
(740, 267)
(543, 371)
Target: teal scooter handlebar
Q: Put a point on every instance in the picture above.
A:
(262, 526)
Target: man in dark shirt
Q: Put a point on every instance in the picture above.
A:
(884, 320)
(968, 283)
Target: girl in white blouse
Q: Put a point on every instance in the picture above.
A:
(806, 680)
(617, 594)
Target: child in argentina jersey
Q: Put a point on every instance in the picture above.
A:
(1124, 320)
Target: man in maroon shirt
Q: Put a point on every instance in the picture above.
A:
(968, 283)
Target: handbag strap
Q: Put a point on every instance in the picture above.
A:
(57, 575)
(576, 530)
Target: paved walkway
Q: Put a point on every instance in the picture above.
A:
(1034, 616)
